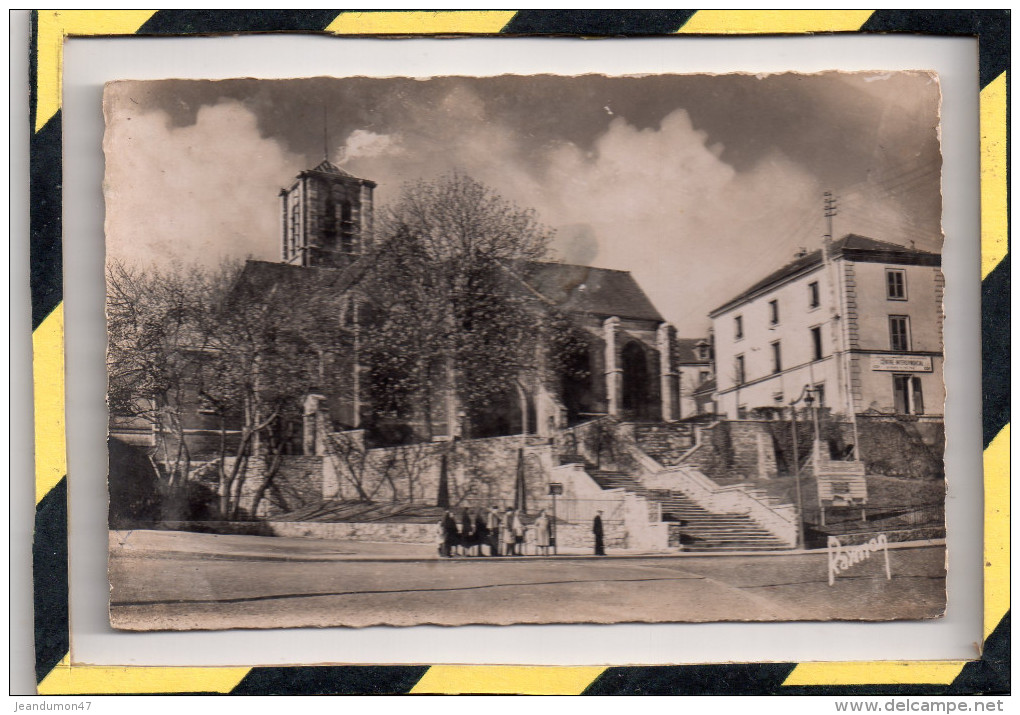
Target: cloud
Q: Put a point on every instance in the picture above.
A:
(198, 193)
(364, 143)
(659, 201)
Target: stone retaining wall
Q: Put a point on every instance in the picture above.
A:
(569, 535)
(665, 442)
(479, 470)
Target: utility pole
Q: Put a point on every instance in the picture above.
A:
(830, 211)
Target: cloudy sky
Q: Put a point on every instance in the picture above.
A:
(699, 185)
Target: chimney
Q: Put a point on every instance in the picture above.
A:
(801, 252)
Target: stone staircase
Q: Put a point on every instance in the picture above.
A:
(701, 530)
(611, 479)
(693, 527)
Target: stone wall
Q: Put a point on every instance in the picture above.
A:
(572, 536)
(666, 443)
(713, 456)
(479, 470)
(754, 456)
(297, 483)
(733, 451)
(901, 446)
(895, 446)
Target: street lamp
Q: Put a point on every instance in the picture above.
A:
(809, 400)
(554, 489)
(805, 395)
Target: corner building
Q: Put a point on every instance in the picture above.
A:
(859, 320)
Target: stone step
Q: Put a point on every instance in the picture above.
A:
(723, 549)
(701, 528)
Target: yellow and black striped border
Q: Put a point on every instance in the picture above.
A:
(57, 676)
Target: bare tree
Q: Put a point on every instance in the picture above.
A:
(154, 350)
(271, 344)
(244, 349)
(350, 457)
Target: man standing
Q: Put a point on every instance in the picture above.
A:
(450, 533)
(596, 528)
(492, 524)
(506, 531)
(542, 534)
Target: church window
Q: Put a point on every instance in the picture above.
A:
(295, 226)
(345, 214)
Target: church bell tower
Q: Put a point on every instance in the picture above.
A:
(325, 217)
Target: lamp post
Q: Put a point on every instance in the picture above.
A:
(554, 489)
(805, 395)
(809, 400)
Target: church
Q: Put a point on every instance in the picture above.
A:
(629, 369)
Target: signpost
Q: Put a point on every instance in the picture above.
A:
(555, 488)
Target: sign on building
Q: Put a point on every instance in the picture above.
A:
(901, 363)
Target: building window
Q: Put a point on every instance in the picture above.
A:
(816, 343)
(895, 284)
(773, 312)
(820, 394)
(703, 377)
(738, 368)
(814, 297)
(899, 333)
(907, 395)
(777, 357)
(738, 327)
(742, 412)
(701, 349)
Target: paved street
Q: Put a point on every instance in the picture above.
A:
(174, 580)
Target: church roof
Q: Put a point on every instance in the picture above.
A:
(328, 167)
(258, 275)
(851, 247)
(574, 289)
(583, 289)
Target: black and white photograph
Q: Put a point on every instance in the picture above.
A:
(524, 349)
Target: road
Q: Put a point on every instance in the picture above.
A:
(257, 582)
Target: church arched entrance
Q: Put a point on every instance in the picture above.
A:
(636, 384)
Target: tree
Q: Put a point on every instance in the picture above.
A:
(454, 325)
(271, 344)
(245, 350)
(153, 355)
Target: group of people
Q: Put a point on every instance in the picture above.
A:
(501, 532)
